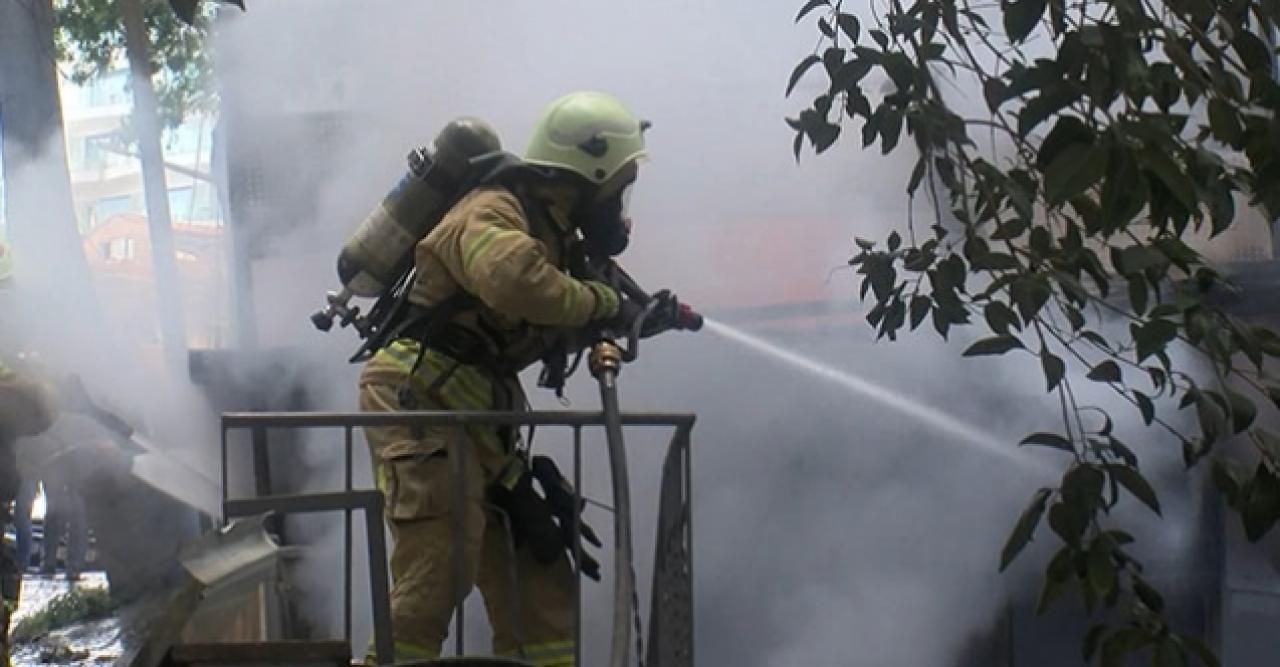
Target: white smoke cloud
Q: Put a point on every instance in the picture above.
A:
(839, 531)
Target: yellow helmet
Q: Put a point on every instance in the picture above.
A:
(591, 134)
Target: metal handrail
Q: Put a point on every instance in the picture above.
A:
(242, 420)
(348, 421)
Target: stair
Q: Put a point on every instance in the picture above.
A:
(467, 662)
(299, 654)
(260, 654)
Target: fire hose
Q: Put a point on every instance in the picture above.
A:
(661, 312)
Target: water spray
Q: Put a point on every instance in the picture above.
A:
(941, 421)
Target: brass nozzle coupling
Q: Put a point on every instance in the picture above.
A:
(605, 356)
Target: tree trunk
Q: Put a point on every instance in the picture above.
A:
(147, 127)
(54, 294)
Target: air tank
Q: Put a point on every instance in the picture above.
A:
(381, 248)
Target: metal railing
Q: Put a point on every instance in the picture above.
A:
(674, 498)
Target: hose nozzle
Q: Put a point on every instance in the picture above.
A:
(687, 318)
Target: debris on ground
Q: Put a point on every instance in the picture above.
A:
(61, 622)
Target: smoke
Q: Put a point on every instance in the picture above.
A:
(837, 531)
(88, 325)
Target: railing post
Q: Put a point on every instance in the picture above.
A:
(384, 647)
(346, 538)
(456, 454)
(577, 545)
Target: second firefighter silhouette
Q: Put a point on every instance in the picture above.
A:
(492, 293)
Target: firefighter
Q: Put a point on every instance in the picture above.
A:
(26, 409)
(502, 253)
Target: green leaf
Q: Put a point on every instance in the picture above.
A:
(1011, 229)
(919, 309)
(1153, 336)
(1107, 371)
(1073, 171)
(1200, 650)
(1192, 451)
(1020, 18)
(1268, 340)
(1254, 53)
(1145, 406)
(995, 92)
(823, 135)
(1068, 521)
(890, 130)
(1269, 443)
(1029, 294)
(1261, 503)
(800, 70)
(1067, 131)
(1243, 411)
(993, 261)
(1056, 577)
(1166, 653)
(1211, 415)
(1123, 642)
(1102, 571)
(824, 26)
(1075, 317)
(1122, 451)
(1025, 527)
(1224, 122)
(1095, 338)
(993, 345)
(1091, 639)
(1048, 440)
(1148, 595)
(809, 7)
(917, 175)
(1173, 176)
(1001, 317)
(1135, 483)
(1054, 368)
(1082, 487)
(894, 241)
(1166, 84)
(848, 24)
(1228, 480)
(1042, 107)
(1138, 295)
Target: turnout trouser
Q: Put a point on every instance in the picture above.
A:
(530, 605)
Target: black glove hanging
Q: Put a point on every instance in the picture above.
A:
(559, 494)
(531, 520)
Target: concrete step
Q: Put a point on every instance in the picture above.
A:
(466, 662)
(261, 654)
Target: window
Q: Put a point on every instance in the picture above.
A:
(185, 256)
(192, 203)
(182, 140)
(108, 206)
(107, 90)
(180, 202)
(101, 151)
(116, 250)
